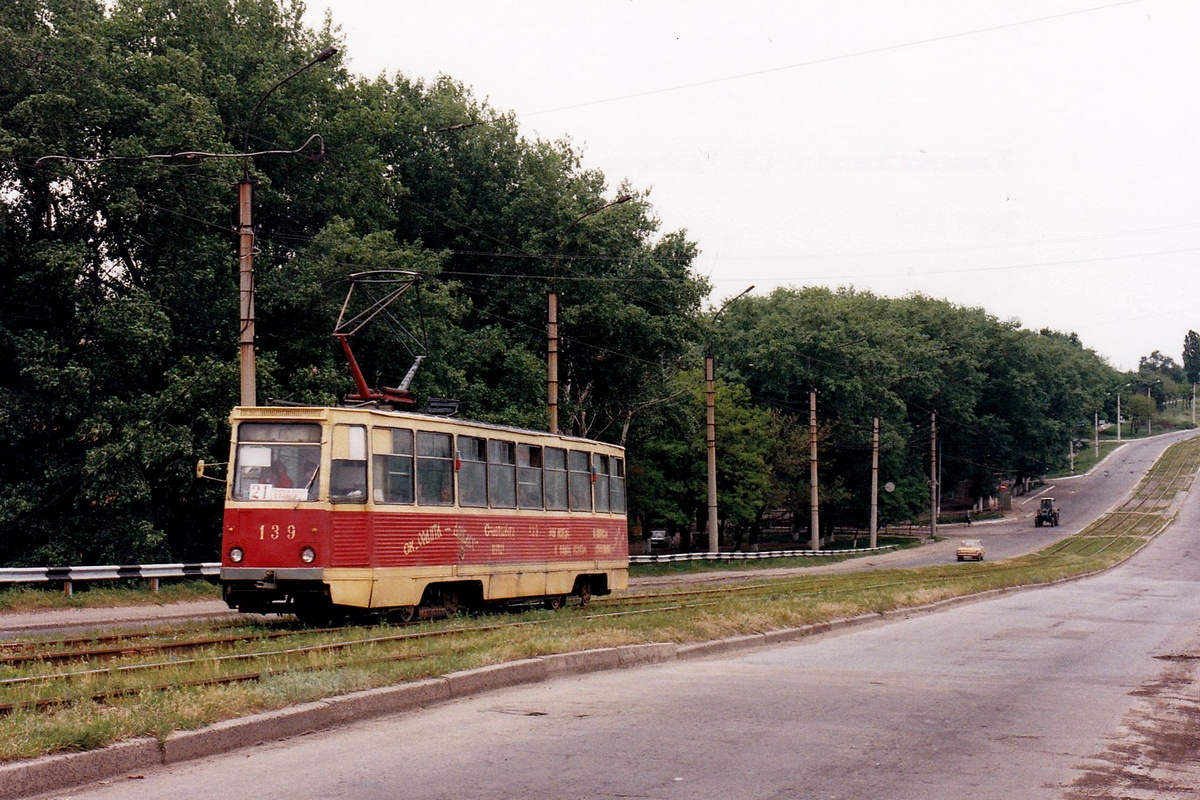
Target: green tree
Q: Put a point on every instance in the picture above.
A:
(1139, 408)
(1191, 357)
(118, 278)
(1008, 400)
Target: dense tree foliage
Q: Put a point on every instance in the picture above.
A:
(118, 295)
(118, 272)
(1008, 401)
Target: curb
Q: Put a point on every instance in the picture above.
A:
(64, 771)
(48, 773)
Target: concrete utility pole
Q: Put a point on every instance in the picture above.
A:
(933, 477)
(552, 357)
(710, 446)
(247, 374)
(1096, 433)
(247, 369)
(814, 522)
(710, 435)
(874, 483)
(552, 313)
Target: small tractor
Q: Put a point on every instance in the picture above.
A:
(1047, 513)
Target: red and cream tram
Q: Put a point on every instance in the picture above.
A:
(334, 509)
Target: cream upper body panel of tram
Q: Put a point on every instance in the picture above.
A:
(372, 507)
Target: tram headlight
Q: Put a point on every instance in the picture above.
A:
(236, 555)
(308, 555)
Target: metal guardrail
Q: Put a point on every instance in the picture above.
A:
(667, 558)
(211, 569)
(69, 575)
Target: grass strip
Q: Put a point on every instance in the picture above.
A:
(320, 664)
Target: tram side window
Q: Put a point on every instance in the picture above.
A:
(556, 479)
(277, 461)
(579, 480)
(616, 489)
(393, 459)
(502, 476)
(435, 469)
(600, 469)
(529, 476)
(472, 471)
(348, 469)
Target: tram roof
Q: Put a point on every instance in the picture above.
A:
(330, 412)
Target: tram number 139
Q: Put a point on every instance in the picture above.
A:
(276, 531)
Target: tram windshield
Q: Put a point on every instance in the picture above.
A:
(277, 461)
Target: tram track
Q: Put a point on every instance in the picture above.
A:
(44, 702)
(32, 677)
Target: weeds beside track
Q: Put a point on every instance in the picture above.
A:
(85, 692)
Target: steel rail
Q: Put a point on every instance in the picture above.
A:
(1125, 529)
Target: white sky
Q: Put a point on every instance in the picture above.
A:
(1036, 158)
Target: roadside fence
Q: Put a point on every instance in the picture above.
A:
(666, 558)
(69, 575)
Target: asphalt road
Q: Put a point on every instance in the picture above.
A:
(1085, 689)
(1080, 499)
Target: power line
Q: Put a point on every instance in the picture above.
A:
(1065, 262)
(829, 59)
(982, 246)
(185, 155)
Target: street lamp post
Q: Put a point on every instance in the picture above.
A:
(1119, 388)
(552, 313)
(247, 368)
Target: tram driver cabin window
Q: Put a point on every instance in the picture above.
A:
(276, 461)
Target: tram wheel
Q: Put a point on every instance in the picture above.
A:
(584, 592)
(554, 602)
(450, 602)
(406, 614)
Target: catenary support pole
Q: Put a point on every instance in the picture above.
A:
(248, 381)
(814, 522)
(710, 444)
(933, 477)
(874, 482)
(552, 358)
